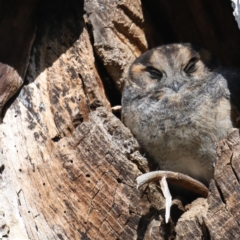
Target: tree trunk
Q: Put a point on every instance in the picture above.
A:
(67, 163)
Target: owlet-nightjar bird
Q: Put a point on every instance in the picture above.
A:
(179, 103)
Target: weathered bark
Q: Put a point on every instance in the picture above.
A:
(218, 217)
(224, 198)
(67, 164)
(121, 33)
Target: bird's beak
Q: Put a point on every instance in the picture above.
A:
(175, 86)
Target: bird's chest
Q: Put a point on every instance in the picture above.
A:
(180, 118)
(182, 134)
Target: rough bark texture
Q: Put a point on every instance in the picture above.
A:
(224, 198)
(67, 163)
(121, 33)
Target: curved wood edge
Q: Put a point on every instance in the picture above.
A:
(176, 178)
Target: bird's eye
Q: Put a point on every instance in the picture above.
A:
(191, 66)
(155, 74)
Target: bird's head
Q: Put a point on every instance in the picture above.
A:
(170, 66)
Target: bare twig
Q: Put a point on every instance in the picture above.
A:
(168, 198)
(117, 108)
(176, 178)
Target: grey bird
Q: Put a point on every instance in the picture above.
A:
(179, 103)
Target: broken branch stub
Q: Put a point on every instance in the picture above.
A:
(176, 178)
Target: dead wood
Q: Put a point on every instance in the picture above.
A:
(67, 164)
(175, 178)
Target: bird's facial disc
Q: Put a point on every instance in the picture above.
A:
(170, 66)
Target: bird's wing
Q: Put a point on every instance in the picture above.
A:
(232, 75)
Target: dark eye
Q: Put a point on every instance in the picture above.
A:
(191, 66)
(155, 74)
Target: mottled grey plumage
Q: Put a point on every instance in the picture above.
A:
(177, 104)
